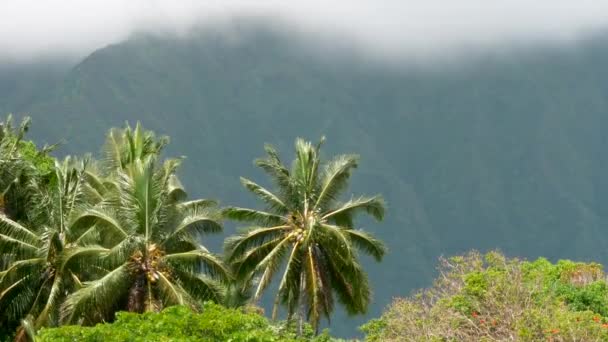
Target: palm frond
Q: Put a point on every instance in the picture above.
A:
(367, 243)
(50, 311)
(16, 300)
(79, 259)
(253, 216)
(19, 287)
(349, 282)
(113, 150)
(16, 231)
(100, 297)
(238, 294)
(235, 246)
(200, 286)
(100, 217)
(335, 178)
(248, 262)
(176, 189)
(16, 248)
(171, 293)
(333, 237)
(19, 270)
(304, 170)
(195, 223)
(370, 205)
(198, 261)
(95, 187)
(179, 244)
(270, 264)
(140, 193)
(196, 205)
(120, 253)
(273, 201)
(314, 287)
(290, 281)
(273, 166)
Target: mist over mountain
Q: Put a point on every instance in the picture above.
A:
(406, 29)
(506, 151)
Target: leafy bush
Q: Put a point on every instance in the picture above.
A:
(491, 298)
(178, 323)
(42, 162)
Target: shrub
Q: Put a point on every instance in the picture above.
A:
(492, 298)
(178, 323)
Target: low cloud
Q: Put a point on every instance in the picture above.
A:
(394, 28)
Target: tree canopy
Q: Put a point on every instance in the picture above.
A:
(309, 228)
(489, 297)
(85, 238)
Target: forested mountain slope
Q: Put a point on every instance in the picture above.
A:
(501, 152)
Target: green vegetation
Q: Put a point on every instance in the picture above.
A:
(492, 298)
(506, 151)
(114, 246)
(179, 323)
(83, 239)
(143, 235)
(310, 231)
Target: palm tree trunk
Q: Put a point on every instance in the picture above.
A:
(21, 335)
(301, 306)
(137, 294)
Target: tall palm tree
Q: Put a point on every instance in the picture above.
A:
(18, 182)
(33, 277)
(308, 233)
(37, 195)
(157, 260)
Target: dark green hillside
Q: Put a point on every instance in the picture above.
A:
(22, 84)
(506, 152)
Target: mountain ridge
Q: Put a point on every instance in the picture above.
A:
(504, 153)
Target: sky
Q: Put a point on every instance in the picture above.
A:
(395, 28)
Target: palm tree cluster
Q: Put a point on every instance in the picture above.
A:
(81, 239)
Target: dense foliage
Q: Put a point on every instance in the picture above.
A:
(34, 203)
(492, 298)
(179, 323)
(82, 239)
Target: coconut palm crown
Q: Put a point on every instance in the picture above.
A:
(34, 278)
(144, 253)
(307, 233)
(37, 198)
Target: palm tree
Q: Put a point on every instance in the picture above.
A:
(33, 277)
(308, 233)
(19, 180)
(157, 260)
(37, 196)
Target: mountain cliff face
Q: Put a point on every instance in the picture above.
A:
(504, 152)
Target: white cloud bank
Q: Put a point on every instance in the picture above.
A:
(32, 28)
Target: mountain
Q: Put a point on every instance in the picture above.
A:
(22, 83)
(501, 151)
